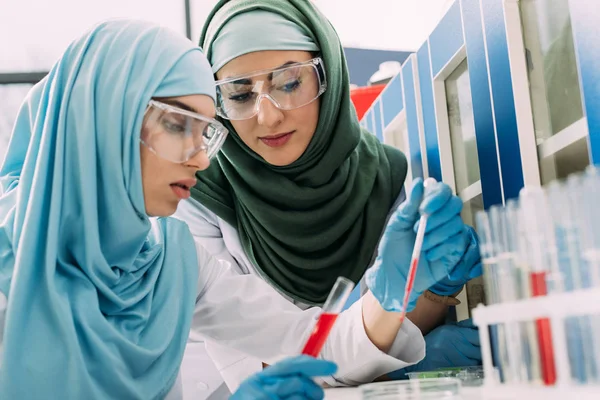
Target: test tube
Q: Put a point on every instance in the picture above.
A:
(503, 284)
(488, 260)
(331, 309)
(590, 215)
(530, 349)
(564, 207)
(587, 188)
(535, 214)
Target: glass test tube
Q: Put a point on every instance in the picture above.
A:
(331, 309)
(534, 211)
(503, 284)
(564, 208)
(530, 348)
(588, 192)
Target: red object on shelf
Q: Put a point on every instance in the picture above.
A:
(363, 97)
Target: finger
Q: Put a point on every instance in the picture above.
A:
(476, 271)
(312, 392)
(440, 235)
(471, 361)
(471, 351)
(408, 212)
(471, 335)
(466, 323)
(305, 397)
(415, 197)
(294, 385)
(449, 211)
(303, 365)
(454, 246)
(436, 196)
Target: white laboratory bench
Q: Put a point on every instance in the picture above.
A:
(467, 393)
(476, 393)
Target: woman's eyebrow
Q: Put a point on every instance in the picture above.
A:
(248, 81)
(181, 105)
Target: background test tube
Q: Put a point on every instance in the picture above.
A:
(564, 207)
(531, 354)
(331, 309)
(588, 214)
(535, 218)
(503, 283)
(488, 259)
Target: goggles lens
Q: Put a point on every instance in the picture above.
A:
(288, 88)
(178, 135)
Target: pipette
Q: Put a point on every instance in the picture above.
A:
(414, 261)
(331, 309)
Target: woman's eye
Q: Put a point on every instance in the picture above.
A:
(173, 126)
(291, 86)
(241, 97)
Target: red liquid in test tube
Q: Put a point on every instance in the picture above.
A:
(331, 309)
(315, 342)
(539, 231)
(538, 288)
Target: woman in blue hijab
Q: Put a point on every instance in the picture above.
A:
(96, 294)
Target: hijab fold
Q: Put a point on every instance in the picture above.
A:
(304, 224)
(100, 296)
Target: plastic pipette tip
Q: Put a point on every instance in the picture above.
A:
(414, 262)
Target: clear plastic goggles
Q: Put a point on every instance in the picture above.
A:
(178, 135)
(288, 87)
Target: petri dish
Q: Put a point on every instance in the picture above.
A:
(414, 389)
(469, 376)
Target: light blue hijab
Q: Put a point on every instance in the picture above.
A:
(100, 297)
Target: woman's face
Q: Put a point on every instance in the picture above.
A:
(166, 183)
(279, 137)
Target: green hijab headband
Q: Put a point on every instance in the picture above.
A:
(257, 30)
(304, 224)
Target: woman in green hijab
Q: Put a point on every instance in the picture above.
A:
(300, 195)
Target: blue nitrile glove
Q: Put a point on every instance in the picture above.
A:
(447, 346)
(467, 268)
(444, 245)
(289, 379)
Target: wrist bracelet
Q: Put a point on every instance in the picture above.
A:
(447, 300)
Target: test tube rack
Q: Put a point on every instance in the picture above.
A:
(556, 307)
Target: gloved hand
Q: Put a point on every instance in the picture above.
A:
(444, 245)
(450, 345)
(468, 267)
(289, 379)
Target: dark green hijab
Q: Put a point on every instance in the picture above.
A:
(305, 224)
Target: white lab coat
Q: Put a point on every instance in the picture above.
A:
(259, 324)
(245, 320)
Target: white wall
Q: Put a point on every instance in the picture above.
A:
(33, 33)
(373, 24)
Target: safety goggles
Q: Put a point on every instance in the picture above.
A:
(288, 87)
(178, 135)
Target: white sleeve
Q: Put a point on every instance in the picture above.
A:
(3, 307)
(359, 360)
(245, 313)
(205, 228)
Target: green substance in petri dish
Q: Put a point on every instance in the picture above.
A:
(440, 373)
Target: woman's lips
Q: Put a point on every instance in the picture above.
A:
(182, 188)
(181, 192)
(277, 140)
